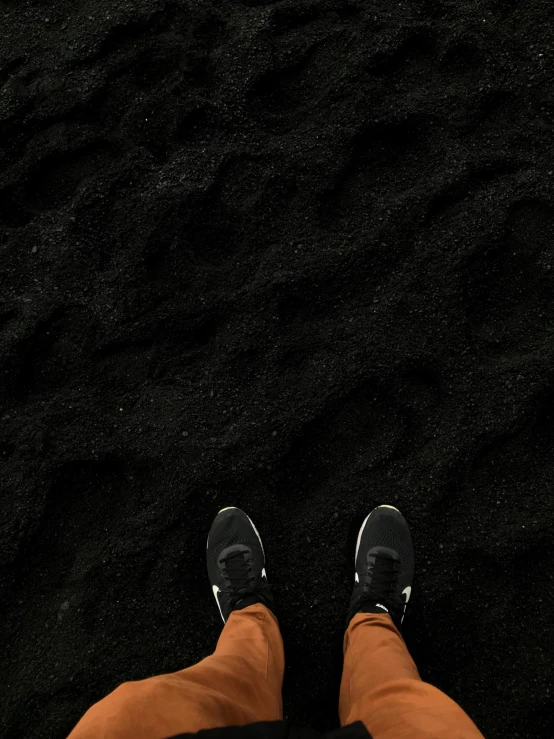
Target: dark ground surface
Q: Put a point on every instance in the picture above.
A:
(293, 256)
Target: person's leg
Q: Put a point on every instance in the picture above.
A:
(380, 684)
(239, 684)
(381, 687)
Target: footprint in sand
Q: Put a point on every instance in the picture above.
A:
(511, 284)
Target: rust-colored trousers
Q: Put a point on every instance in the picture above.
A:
(241, 684)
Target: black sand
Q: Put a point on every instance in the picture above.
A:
(296, 257)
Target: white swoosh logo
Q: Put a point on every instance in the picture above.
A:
(407, 592)
(216, 590)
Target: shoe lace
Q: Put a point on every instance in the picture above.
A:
(384, 573)
(240, 576)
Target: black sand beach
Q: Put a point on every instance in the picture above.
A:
(293, 256)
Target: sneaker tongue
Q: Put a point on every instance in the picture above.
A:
(383, 610)
(375, 608)
(245, 601)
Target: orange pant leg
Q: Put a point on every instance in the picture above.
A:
(382, 688)
(239, 684)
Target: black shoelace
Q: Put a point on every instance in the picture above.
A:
(240, 575)
(384, 573)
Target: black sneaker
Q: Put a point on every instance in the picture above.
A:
(384, 565)
(236, 563)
